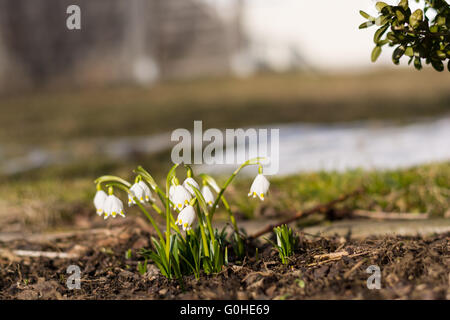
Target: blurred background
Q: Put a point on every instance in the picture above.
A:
(76, 104)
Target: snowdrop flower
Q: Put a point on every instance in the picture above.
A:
(186, 217)
(171, 191)
(147, 192)
(208, 195)
(180, 197)
(99, 201)
(113, 206)
(190, 181)
(137, 191)
(259, 187)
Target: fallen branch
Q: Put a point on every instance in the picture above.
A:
(38, 254)
(356, 266)
(336, 257)
(319, 208)
(332, 255)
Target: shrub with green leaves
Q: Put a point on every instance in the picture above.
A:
(181, 249)
(287, 242)
(413, 34)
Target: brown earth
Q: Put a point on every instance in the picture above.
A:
(412, 267)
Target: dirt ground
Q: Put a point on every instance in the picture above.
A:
(334, 267)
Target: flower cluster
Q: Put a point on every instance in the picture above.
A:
(109, 205)
(178, 253)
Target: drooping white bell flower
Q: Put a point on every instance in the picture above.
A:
(99, 201)
(208, 195)
(259, 187)
(137, 191)
(190, 181)
(147, 192)
(113, 206)
(171, 191)
(181, 197)
(186, 217)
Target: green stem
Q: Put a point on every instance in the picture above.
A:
(149, 217)
(233, 222)
(168, 215)
(219, 196)
(202, 231)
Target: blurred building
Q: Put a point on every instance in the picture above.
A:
(120, 41)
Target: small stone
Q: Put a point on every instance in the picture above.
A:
(163, 291)
(241, 295)
(152, 272)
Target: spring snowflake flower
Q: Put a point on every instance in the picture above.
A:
(147, 192)
(259, 187)
(137, 191)
(181, 197)
(188, 182)
(171, 191)
(186, 217)
(208, 195)
(99, 201)
(113, 206)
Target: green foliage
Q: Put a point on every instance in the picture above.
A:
(142, 268)
(412, 34)
(287, 242)
(187, 255)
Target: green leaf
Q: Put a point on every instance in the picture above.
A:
(437, 65)
(381, 20)
(409, 52)
(404, 4)
(416, 18)
(400, 15)
(440, 20)
(379, 33)
(398, 53)
(366, 15)
(417, 63)
(441, 55)
(376, 53)
(366, 25)
(380, 5)
(434, 28)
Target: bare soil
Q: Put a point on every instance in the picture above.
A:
(412, 267)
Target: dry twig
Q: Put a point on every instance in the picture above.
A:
(319, 208)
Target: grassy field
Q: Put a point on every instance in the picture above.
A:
(53, 201)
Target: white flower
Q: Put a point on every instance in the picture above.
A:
(171, 191)
(147, 192)
(137, 191)
(186, 217)
(259, 187)
(180, 197)
(113, 206)
(188, 182)
(99, 201)
(208, 195)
